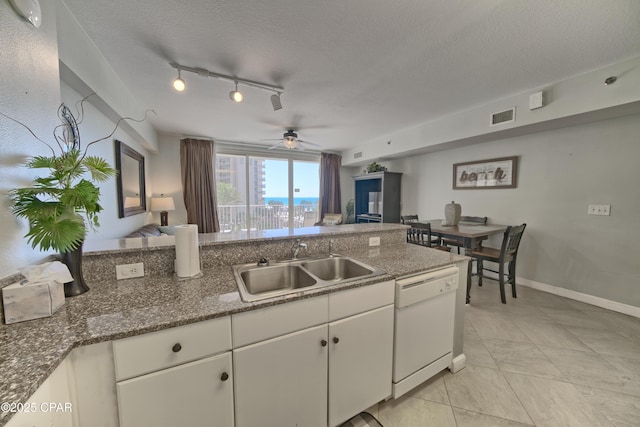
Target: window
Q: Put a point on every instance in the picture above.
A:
(256, 192)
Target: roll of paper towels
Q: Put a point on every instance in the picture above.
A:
(187, 250)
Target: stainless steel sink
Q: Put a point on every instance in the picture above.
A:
(337, 268)
(275, 278)
(257, 282)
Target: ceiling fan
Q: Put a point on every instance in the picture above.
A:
(290, 141)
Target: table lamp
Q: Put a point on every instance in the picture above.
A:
(163, 205)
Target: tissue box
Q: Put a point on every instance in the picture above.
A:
(31, 300)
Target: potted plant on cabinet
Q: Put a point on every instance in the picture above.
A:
(61, 204)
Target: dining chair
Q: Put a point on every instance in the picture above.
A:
(508, 253)
(477, 220)
(407, 219)
(420, 234)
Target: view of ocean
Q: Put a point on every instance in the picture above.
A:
(296, 200)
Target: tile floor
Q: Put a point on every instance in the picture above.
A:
(539, 360)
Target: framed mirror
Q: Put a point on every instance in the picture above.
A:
(132, 198)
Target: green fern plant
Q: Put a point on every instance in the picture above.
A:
(57, 204)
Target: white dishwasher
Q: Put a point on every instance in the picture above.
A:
(423, 342)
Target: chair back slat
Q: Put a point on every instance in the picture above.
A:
(511, 240)
(407, 219)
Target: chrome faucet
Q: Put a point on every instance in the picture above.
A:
(297, 245)
(330, 248)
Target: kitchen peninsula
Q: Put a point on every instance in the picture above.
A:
(113, 310)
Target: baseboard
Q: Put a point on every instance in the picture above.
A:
(579, 296)
(457, 363)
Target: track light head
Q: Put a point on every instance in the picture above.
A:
(275, 101)
(178, 83)
(235, 95)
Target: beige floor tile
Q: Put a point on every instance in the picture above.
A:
(570, 317)
(466, 418)
(550, 335)
(542, 299)
(621, 409)
(484, 390)
(591, 369)
(477, 354)
(433, 390)
(523, 358)
(607, 342)
(554, 403)
(409, 411)
(496, 326)
(619, 322)
(630, 367)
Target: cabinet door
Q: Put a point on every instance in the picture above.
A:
(283, 381)
(360, 362)
(194, 394)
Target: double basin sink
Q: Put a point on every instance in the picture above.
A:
(257, 282)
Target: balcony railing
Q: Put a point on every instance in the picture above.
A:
(263, 217)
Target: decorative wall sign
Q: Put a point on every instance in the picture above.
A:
(486, 174)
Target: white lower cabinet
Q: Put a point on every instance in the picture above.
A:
(283, 381)
(360, 361)
(194, 394)
(321, 375)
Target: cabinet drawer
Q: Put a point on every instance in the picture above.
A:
(199, 393)
(359, 300)
(258, 325)
(170, 347)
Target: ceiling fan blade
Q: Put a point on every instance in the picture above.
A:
(299, 147)
(274, 146)
(310, 143)
(272, 139)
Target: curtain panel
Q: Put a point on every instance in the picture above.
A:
(198, 184)
(330, 201)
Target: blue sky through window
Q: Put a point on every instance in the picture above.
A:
(305, 177)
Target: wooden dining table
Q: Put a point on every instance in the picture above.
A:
(470, 234)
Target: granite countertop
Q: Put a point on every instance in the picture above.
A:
(112, 310)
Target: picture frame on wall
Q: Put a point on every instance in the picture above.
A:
(486, 174)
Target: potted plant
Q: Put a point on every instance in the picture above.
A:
(61, 203)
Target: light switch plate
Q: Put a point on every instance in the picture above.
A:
(604, 210)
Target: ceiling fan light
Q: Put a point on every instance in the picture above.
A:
(290, 142)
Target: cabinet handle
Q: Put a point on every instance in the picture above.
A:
(176, 347)
(323, 343)
(224, 376)
(336, 340)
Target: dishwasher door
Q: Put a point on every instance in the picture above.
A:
(425, 308)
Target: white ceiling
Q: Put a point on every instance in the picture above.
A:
(352, 69)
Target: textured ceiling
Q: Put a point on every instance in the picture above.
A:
(352, 69)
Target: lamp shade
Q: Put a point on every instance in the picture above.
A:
(159, 204)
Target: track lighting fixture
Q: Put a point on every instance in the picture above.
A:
(275, 102)
(235, 95)
(178, 84)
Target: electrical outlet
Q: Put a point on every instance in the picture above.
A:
(604, 210)
(374, 241)
(129, 271)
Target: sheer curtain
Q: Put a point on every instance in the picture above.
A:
(198, 184)
(330, 184)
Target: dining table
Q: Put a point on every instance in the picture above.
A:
(470, 234)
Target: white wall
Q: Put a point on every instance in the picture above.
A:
(165, 174)
(29, 92)
(560, 173)
(96, 126)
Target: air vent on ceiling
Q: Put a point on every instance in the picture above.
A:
(501, 117)
(357, 155)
